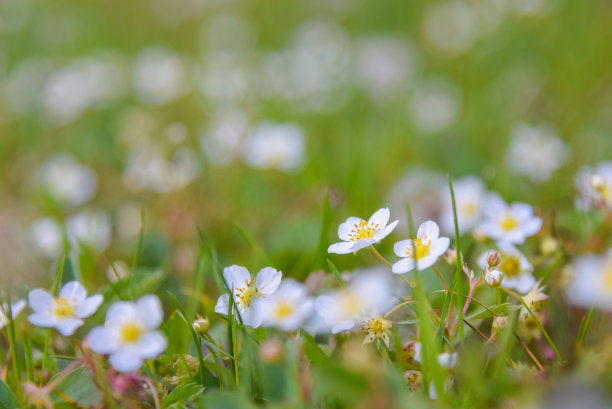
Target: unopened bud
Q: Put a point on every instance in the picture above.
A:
(414, 379)
(451, 256)
(493, 259)
(201, 325)
(493, 277)
(549, 246)
(500, 322)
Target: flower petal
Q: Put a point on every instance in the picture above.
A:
(402, 247)
(343, 326)
(88, 306)
(403, 266)
(380, 218)
(67, 326)
(426, 262)
(39, 299)
(103, 340)
(73, 291)
(439, 247)
(119, 312)
(267, 280)
(381, 234)
(236, 277)
(342, 247)
(149, 311)
(429, 229)
(42, 319)
(347, 228)
(222, 306)
(126, 359)
(152, 344)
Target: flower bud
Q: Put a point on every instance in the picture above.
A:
(549, 246)
(451, 256)
(493, 259)
(201, 325)
(493, 277)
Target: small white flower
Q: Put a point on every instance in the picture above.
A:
(64, 312)
(594, 187)
(510, 223)
(591, 282)
(515, 268)
(469, 198)
(130, 333)
(246, 291)
(493, 277)
(275, 145)
(47, 237)
(357, 233)
(287, 308)
(426, 249)
(91, 227)
(67, 181)
(365, 297)
(16, 308)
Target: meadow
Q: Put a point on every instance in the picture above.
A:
(305, 204)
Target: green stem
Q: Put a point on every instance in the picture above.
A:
(11, 336)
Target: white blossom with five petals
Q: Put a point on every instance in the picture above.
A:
(510, 223)
(357, 233)
(64, 312)
(423, 251)
(287, 308)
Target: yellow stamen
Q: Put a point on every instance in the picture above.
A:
(130, 333)
(246, 295)
(510, 265)
(421, 247)
(508, 223)
(469, 208)
(283, 309)
(363, 230)
(62, 308)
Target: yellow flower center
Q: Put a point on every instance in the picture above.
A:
(508, 223)
(607, 279)
(283, 309)
(377, 326)
(363, 231)
(469, 208)
(421, 247)
(350, 304)
(510, 265)
(246, 295)
(130, 333)
(62, 308)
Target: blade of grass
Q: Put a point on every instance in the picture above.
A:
(336, 273)
(138, 250)
(585, 323)
(457, 278)
(254, 245)
(58, 279)
(11, 337)
(321, 252)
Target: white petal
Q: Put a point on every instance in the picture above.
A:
(119, 312)
(426, 262)
(126, 359)
(347, 228)
(533, 226)
(361, 244)
(381, 234)
(149, 311)
(67, 326)
(103, 340)
(429, 229)
(39, 299)
(342, 247)
(523, 283)
(268, 280)
(73, 291)
(447, 360)
(236, 277)
(42, 319)
(401, 248)
(18, 307)
(438, 247)
(403, 266)
(343, 326)
(222, 306)
(89, 306)
(380, 218)
(250, 317)
(152, 344)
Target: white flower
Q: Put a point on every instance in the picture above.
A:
(451, 27)
(91, 227)
(469, 198)
(67, 180)
(426, 249)
(246, 291)
(511, 223)
(357, 233)
(222, 140)
(275, 145)
(130, 334)
(159, 76)
(493, 277)
(536, 151)
(47, 237)
(16, 308)
(515, 268)
(287, 308)
(365, 297)
(435, 105)
(594, 186)
(64, 312)
(591, 282)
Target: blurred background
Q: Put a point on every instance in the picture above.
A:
(240, 117)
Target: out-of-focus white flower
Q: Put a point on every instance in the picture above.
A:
(451, 27)
(275, 145)
(47, 237)
(16, 309)
(469, 198)
(384, 65)
(246, 291)
(90, 227)
(25, 85)
(159, 76)
(287, 308)
(530, 8)
(420, 189)
(225, 81)
(435, 105)
(64, 312)
(223, 140)
(594, 186)
(423, 251)
(591, 282)
(67, 181)
(365, 297)
(511, 223)
(130, 334)
(515, 268)
(536, 151)
(357, 233)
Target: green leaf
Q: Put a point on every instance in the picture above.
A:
(183, 393)
(8, 400)
(313, 352)
(77, 387)
(334, 270)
